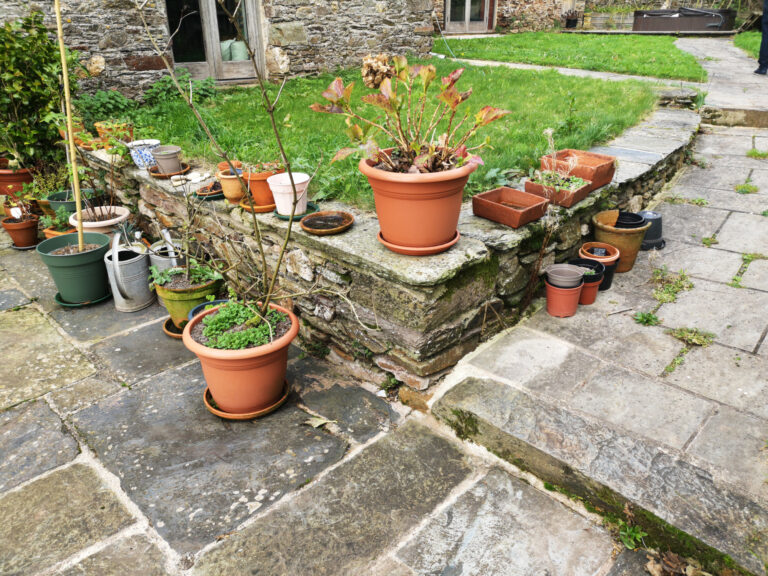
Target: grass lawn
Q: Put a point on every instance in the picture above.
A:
(749, 42)
(640, 55)
(583, 112)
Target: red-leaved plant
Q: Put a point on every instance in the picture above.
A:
(409, 122)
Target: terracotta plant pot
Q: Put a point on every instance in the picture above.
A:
(224, 166)
(119, 130)
(23, 234)
(102, 226)
(231, 187)
(562, 302)
(627, 240)
(180, 302)
(597, 168)
(508, 206)
(559, 196)
(589, 292)
(610, 259)
(51, 233)
(12, 181)
(249, 380)
(418, 210)
(257, 184)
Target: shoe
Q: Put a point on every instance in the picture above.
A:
(762, 70)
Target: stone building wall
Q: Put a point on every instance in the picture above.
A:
(517, 15)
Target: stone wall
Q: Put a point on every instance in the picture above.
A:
(516, 15)
(421, 315)
(110, 38)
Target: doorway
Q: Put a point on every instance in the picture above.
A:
(468, 16)
(206, 43)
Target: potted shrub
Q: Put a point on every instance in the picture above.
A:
(117, 129)
(21, 226)
(80, 275)
(184, 287)
(419, 178)
(58, 224)
(29, 92)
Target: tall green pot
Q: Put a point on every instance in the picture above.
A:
(180, 302)
(79, 278)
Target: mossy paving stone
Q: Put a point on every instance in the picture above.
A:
(698, 261)
(50, 519)
(132, 556)
(31, 274)
(193, 474)
(36, 359)
(505, 526)
(630, 563)
(352, 515)
(32, 441)
(100, 321)
(11, 298)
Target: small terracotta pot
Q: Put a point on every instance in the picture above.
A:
(627, 240)
(417, 210)
(260, 190)
(589, 292)
(562, 302)
(610, 261)
(12, 181)
(244, 381)
(224, 166)
(231, 187)
(508, 206)
(22, 234)
(51, 233)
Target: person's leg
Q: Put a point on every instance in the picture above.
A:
(763, 60)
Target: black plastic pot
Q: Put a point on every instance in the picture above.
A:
(597, 267)
(654, 237)
(629, 220)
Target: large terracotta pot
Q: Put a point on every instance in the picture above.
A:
(257, 184)
(417, 210)
(244, 381)
(23, 234)
(12, 181)
(626, 240)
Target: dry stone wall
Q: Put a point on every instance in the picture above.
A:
(516, 15)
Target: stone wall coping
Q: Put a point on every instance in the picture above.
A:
(665, 130)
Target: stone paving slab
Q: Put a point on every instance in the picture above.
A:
(352, 515)
(735, 442)
(756, 275)
(32, 441)
(132, 556)
(503, 526)
(194, 475)
(690, 224)
(729, 376)
(36, 358)
(102, 320)
(590, 458)
(727, 180)
(698, 261)
(31, 274)
(83, 393)
(12, 298)
(50, 519)
(744, 233)
(630, 154)
(703, 308)
(141, 353)
(727, 199)
(727, 145)
(630, 563)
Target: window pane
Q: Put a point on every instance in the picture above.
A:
(458, 10)
(188, 43)
(477, 10)
(231, 47)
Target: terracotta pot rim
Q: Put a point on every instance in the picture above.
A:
(222, 176)
(9, 171)
(614, 253)
(264, 350)
(25, 224)
(366, 167)
(248, 176)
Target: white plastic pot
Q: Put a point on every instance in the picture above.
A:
(280, 184)
(103, 226)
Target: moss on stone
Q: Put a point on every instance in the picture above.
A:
(464, 423)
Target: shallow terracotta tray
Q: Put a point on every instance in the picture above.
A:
(597, 168)
(310, 221)
(559, 196)
(154, 172)
(513, 208)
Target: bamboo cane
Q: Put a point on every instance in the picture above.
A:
(70, 132)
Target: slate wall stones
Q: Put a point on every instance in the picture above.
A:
(514, 15)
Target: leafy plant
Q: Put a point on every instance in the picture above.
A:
(735, 282)
(747, 187)
(757, 154)
(693, 336)
(198, 274)
(59, 222)
(646, 318)
(669, 285)
(49, 180)
(630, 536)
(236, 326)
(30, 67)
(411, 119)
(165, 89)
(557, 176)
(104, 105)
(710, 241)
(698, 202)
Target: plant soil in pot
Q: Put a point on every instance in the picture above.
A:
(627, 240)
(23, 231)
(231, 186)
(80, 277)
(179, 294)
(280, 185)
(606, 254)
(564, 191)
(508, 206)
(257, 184)
(598, 169)
(247, 380)
(562, 302)
(168, 159)
(106, 221)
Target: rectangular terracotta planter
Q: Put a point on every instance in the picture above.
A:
(559, 197)
(597, 168)
(508, 206)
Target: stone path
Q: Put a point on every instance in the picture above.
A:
(614, 411)
(112, 466)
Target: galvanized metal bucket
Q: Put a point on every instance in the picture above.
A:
(159, 256)
(129, 276)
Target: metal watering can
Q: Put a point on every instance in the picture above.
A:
(128, 276)
(166, 253)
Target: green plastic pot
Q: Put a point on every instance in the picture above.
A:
(59, 199)
(79, 278)
(180, 302)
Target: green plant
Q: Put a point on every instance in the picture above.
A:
(669, 285)
(164, 90)
(710, 241)
(698, 202)
(757, 154)
(630, 536)
(30, 67)
(50, 179)
(764, 213)
(693, 336)
(236, 326)
(59, 222)
(198, 274)
(676, 361)
(646, 318)
(104, 105)
(747, 187)
(411, 120)
(390, 384)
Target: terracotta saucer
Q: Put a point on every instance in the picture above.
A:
(426, 251)
(208, 399)
(61, 302)
(170, 329)
(154, 171)
(327, 222)
(256, 208)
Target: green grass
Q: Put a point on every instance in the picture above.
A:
(583, 112)
(640, 55)
(749, 42)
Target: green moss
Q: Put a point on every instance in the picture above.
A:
(464, 423)
(486, 271)
(316, 349)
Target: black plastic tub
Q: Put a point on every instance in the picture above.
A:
(684, 20)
